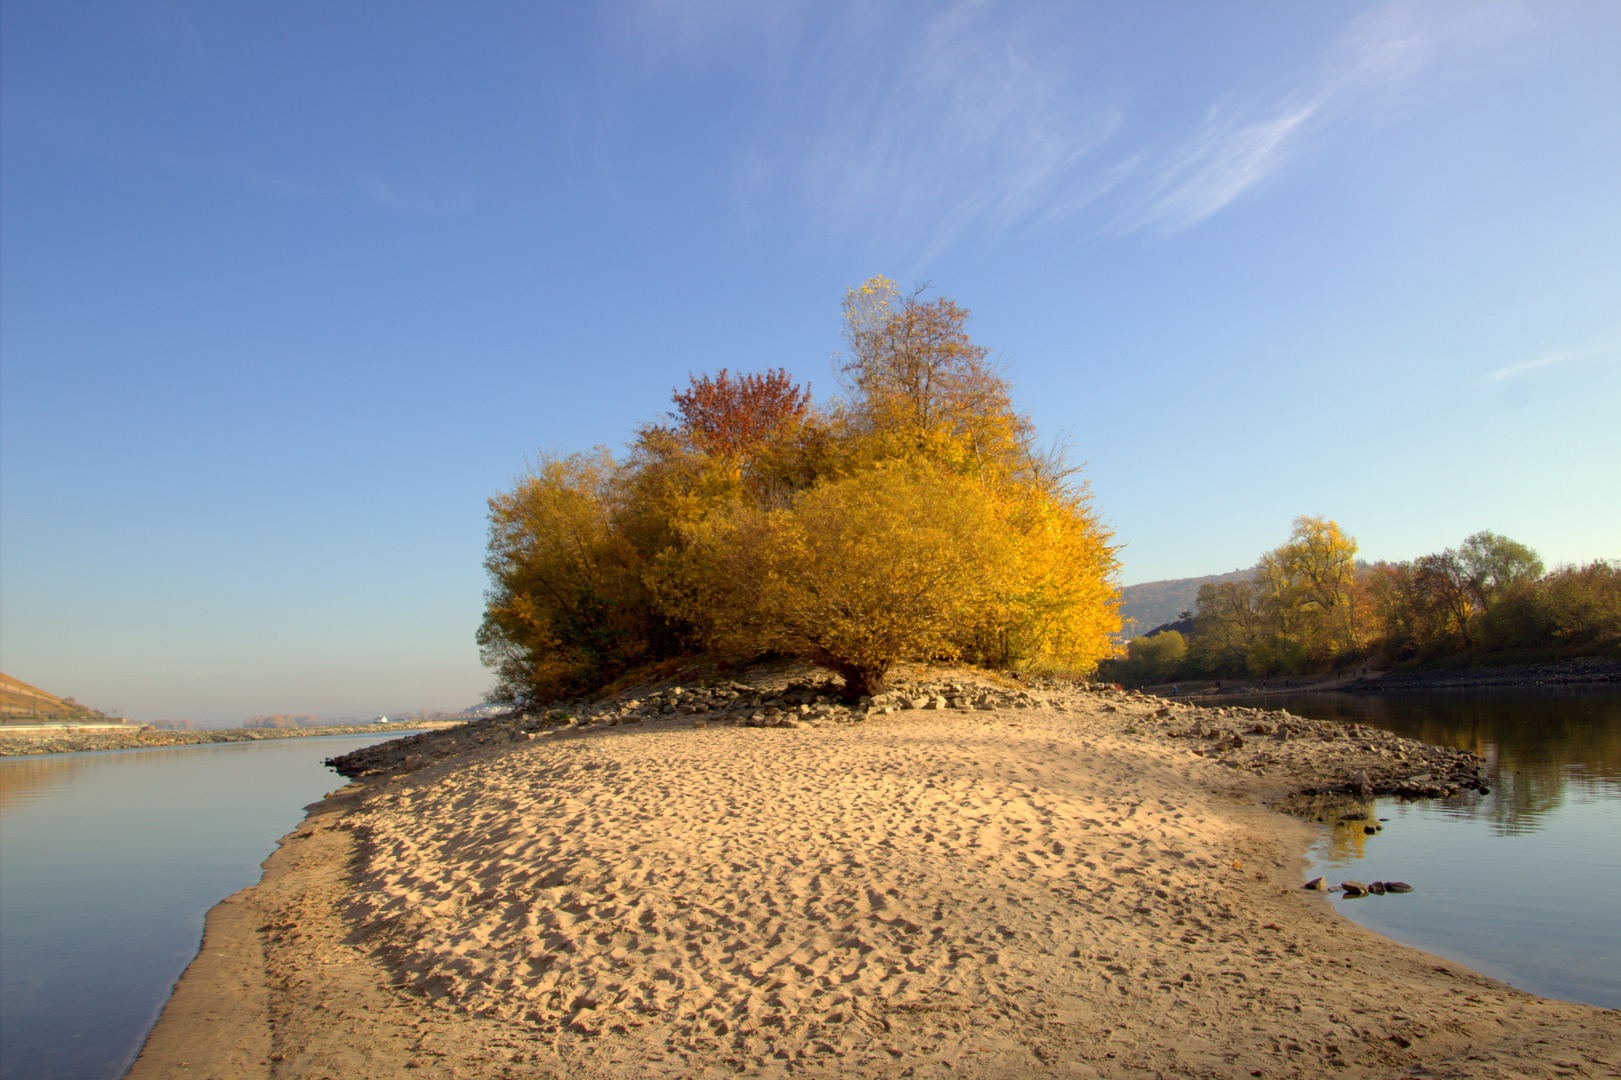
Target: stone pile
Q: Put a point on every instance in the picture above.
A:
(1353, 889)
(1320, 757)
(795, 705)
(1385, 763)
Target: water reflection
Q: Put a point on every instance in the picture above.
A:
(1519, 883)
(108, 863)
(28, 777)
(1540, 748)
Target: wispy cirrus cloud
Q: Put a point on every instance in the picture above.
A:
(1608, 352)
(1370, 72)
(934, 127)
(981, 127)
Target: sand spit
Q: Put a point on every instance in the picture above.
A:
(1086, 888)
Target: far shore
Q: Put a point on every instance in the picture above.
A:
(1594, 671)
(23, 740)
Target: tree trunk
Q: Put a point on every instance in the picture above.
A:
(862, 680)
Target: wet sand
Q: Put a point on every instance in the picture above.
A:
(1089, 888)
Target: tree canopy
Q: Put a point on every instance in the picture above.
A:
(912, 518)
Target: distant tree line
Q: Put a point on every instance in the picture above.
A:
(915, 517)
(1310, 607)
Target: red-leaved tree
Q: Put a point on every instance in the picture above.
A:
(725, 415)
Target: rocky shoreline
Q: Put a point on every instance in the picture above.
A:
(68, 741)
(1327, 757)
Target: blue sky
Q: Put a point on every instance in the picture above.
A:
(288, 290)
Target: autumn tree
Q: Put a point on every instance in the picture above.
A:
(1579, 604)
(1492, 564)
(1062, 607)
(896, 562)
(1228, 626)
(566, 609)
(1154, 658)
(1398, 621)
(912, 520)
(1442, 594)
(1300, 608)
(921, 390)
(728, 416)
(919, 386)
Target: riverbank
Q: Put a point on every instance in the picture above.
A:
(67, 740)
(1582, 671)
(1062, 883)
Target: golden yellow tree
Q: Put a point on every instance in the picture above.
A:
(899, 561)
(919, 387)
(566, 609)
(1308, 586)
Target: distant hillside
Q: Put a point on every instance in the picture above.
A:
(20, 703)
(1156, 602)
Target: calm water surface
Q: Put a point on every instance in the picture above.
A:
(1521, 884)
(108, 863)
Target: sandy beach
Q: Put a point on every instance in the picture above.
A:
(1086, 885)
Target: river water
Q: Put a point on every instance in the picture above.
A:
(108, 863)
(1521, 884)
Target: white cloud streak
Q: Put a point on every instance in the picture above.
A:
(930, 128)
(1372, 71)
(1600, 353)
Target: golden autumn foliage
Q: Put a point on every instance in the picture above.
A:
(858, 573)
(910, 520)
(566, 608)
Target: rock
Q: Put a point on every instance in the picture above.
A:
(700, 722)
(1316, 884)
(1397, 887)
(1354, 888)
